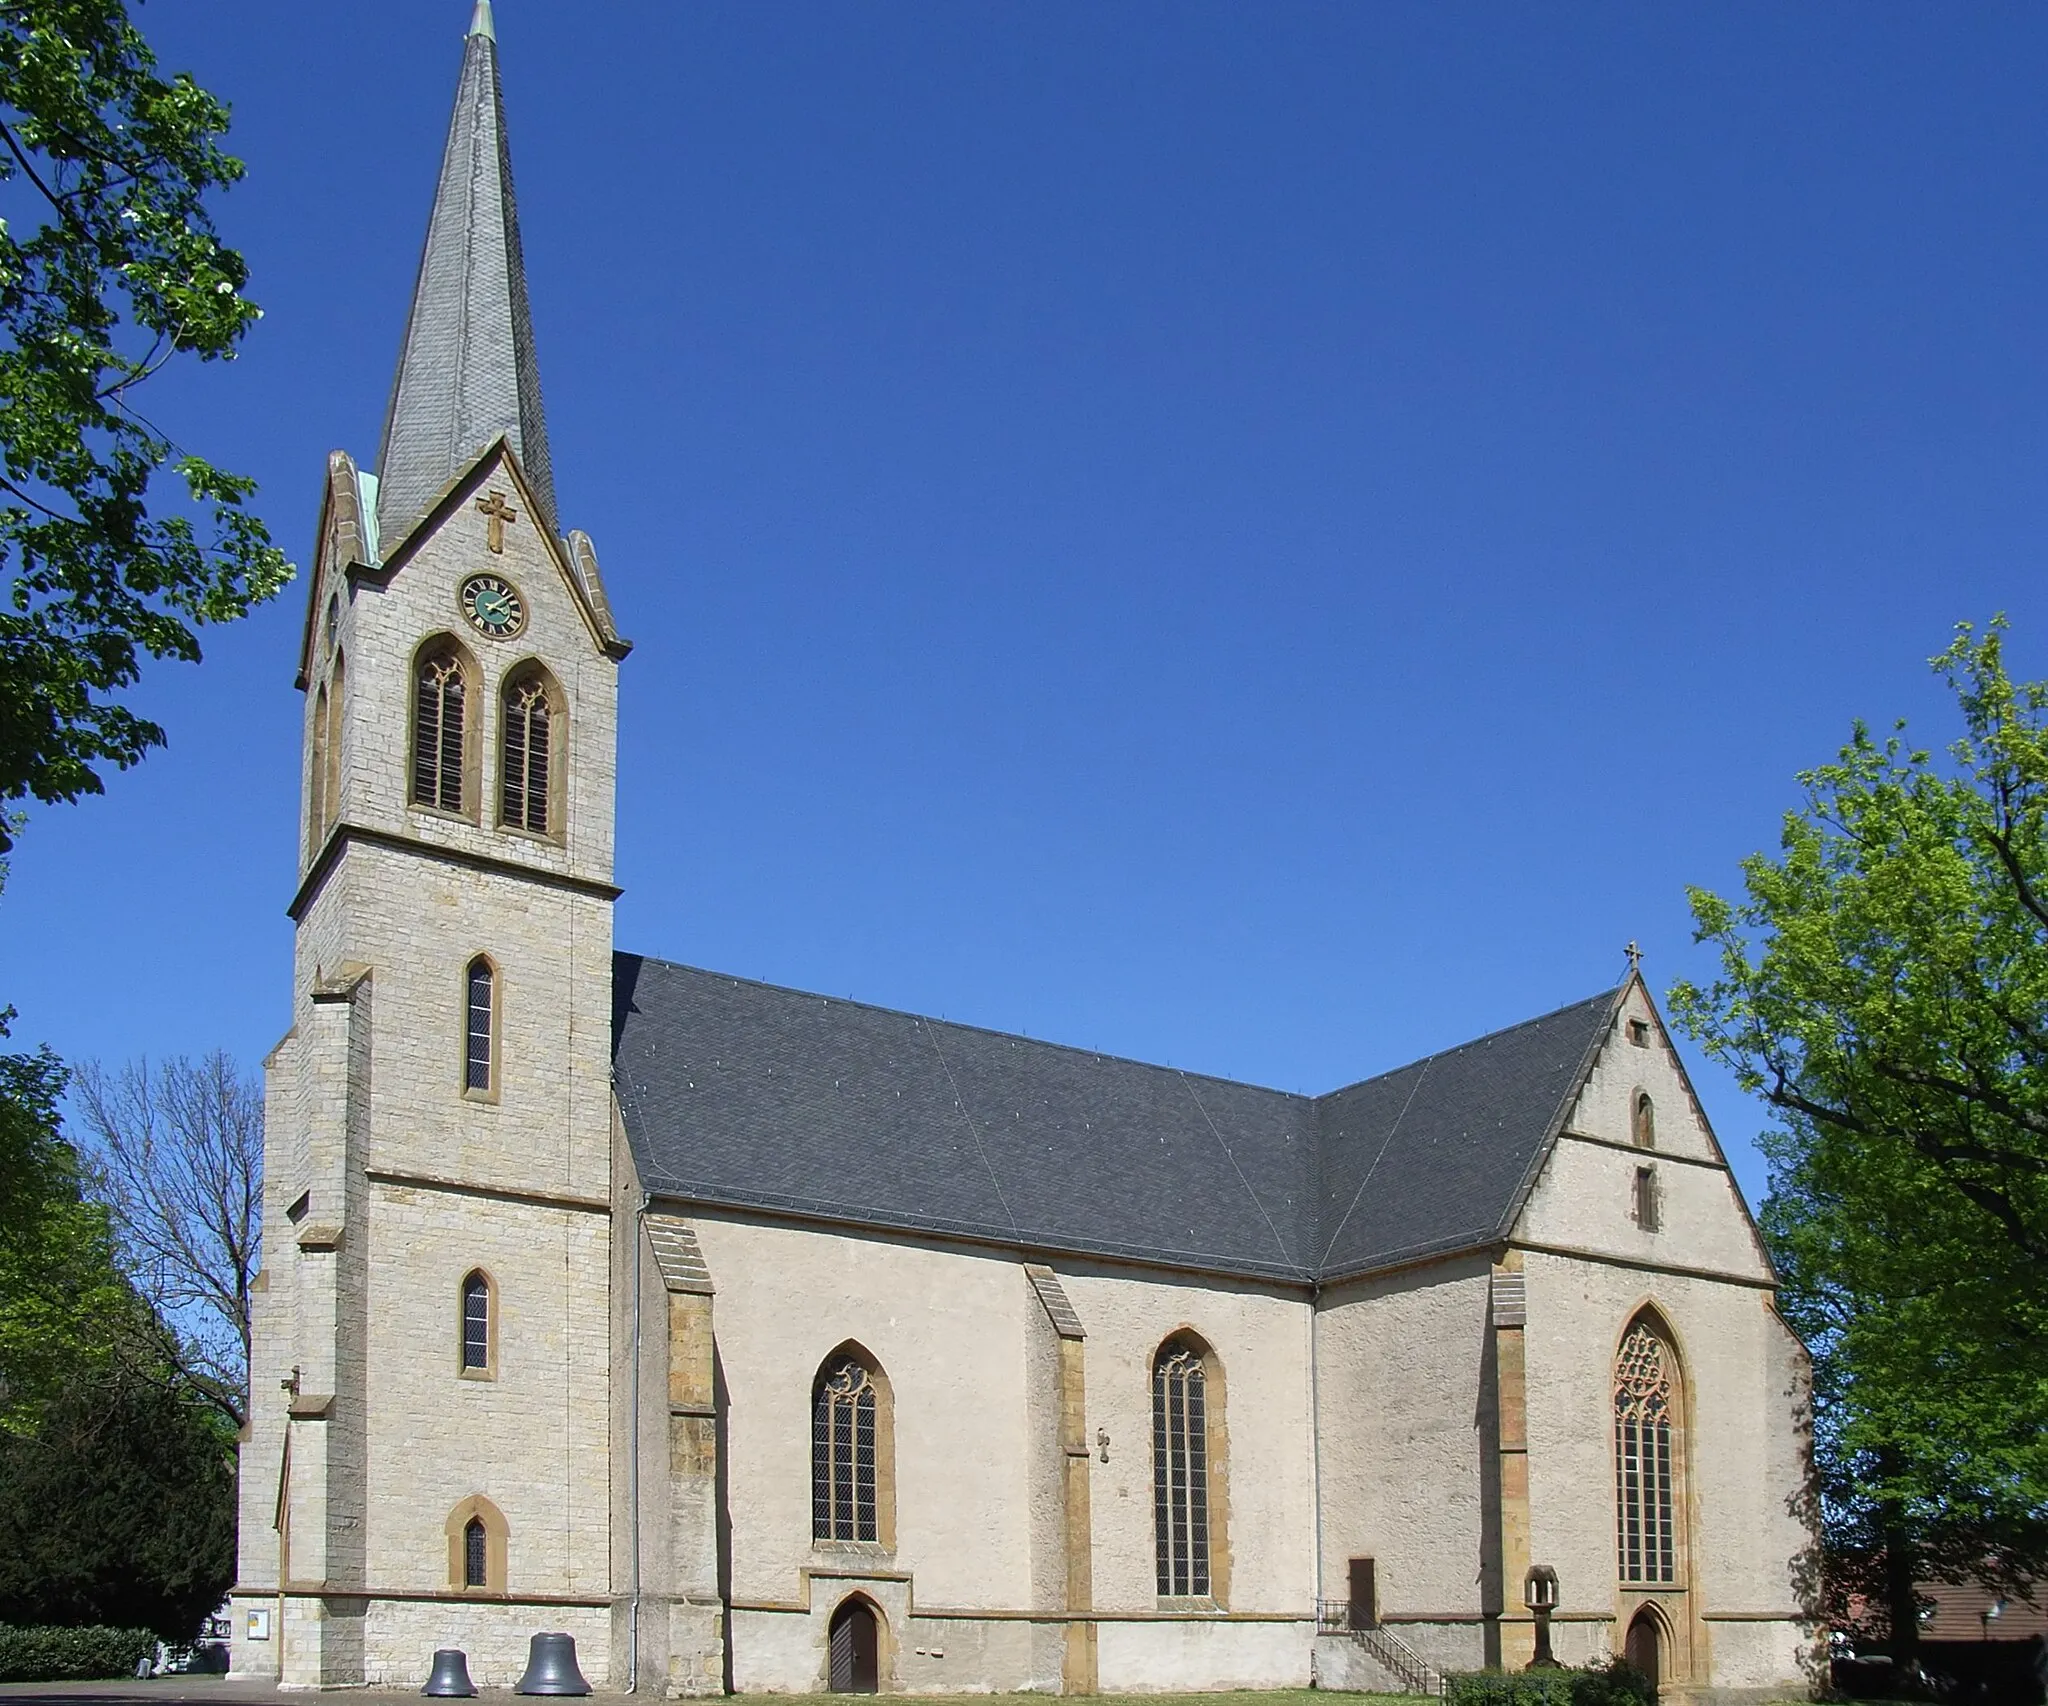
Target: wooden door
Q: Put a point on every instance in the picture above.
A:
(1644, 1644)
(1365, 1604)
(854, 1649)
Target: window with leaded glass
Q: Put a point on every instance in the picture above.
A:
(527, 753)
(477, 1051)
(1180, 1471)
(1645, 1498)
(476, 1554)
(476, 1324)
(439, 712)
(844, 1414)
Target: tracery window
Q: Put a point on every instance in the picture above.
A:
(478, 1064)
(1180, 1471)
(1643, 1121)
(527, 755)
(843, 1455)
(476, 1554)
(439, 714)
(1646, 1536)
(476, 1324)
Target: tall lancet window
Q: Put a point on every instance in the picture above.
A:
(845, 1420)
(316, 775)
(1645, 1402)
(479, 1065)
(439, 723)
(1180, 1470)
(527, 754)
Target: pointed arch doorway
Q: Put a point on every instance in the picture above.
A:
(1644, 1646)
(855, 1649)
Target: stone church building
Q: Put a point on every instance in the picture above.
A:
(771, 1342)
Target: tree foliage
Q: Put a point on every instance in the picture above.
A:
(1884, 987)
(177, 1155)
(119, 1506)
(110, 267)
(58, 1284)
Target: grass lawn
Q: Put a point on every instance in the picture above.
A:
(1242, 1697)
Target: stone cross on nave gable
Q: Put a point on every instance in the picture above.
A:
(499, 512)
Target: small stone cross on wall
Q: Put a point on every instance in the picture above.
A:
(499, 512)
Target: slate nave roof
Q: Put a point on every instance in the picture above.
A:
(744, 1095)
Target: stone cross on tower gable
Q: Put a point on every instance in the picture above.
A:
(499, 512)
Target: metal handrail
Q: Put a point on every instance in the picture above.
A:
(1333, 1617)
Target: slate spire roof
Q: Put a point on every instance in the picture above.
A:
(742, 1095)
(466, 370)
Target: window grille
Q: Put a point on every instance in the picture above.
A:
(1643, 1121)
(438, 733)
(476, 1555)
(843, 1503)
(477, 1075)
(476, 1322)
(1180, 1472)
(524, 804)
(1645, 1527)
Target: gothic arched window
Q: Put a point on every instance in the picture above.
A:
(330, 742)
(1645, 1494)
(527, 751)
(477, 1333)
(479, 1063)
(316, 778)
(477, 1546)
(846, 1427)
(1180, 1470)
(1643, 1121)
(440, 724)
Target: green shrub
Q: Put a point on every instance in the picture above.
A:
(72, 1655)
(1614, 1683)
(1509, 1688)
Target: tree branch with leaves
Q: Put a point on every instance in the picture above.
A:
(110, 268)
(1883, 987)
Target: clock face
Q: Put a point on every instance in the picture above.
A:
(493, 606)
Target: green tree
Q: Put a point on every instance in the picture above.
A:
(110, 268)
(59, 1287)
(118, 1507)
(1883, 986)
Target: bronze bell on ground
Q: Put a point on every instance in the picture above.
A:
(551, 1667)
(450, 1676)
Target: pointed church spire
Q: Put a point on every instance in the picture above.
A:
(466, 371)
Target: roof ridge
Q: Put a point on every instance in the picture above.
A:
(1474, 1042)
(981, 1030)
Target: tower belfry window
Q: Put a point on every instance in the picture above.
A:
(527, 755)
(438, 728)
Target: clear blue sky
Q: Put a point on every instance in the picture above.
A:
(1271, 538)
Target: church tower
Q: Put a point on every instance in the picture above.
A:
(433, 1321)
